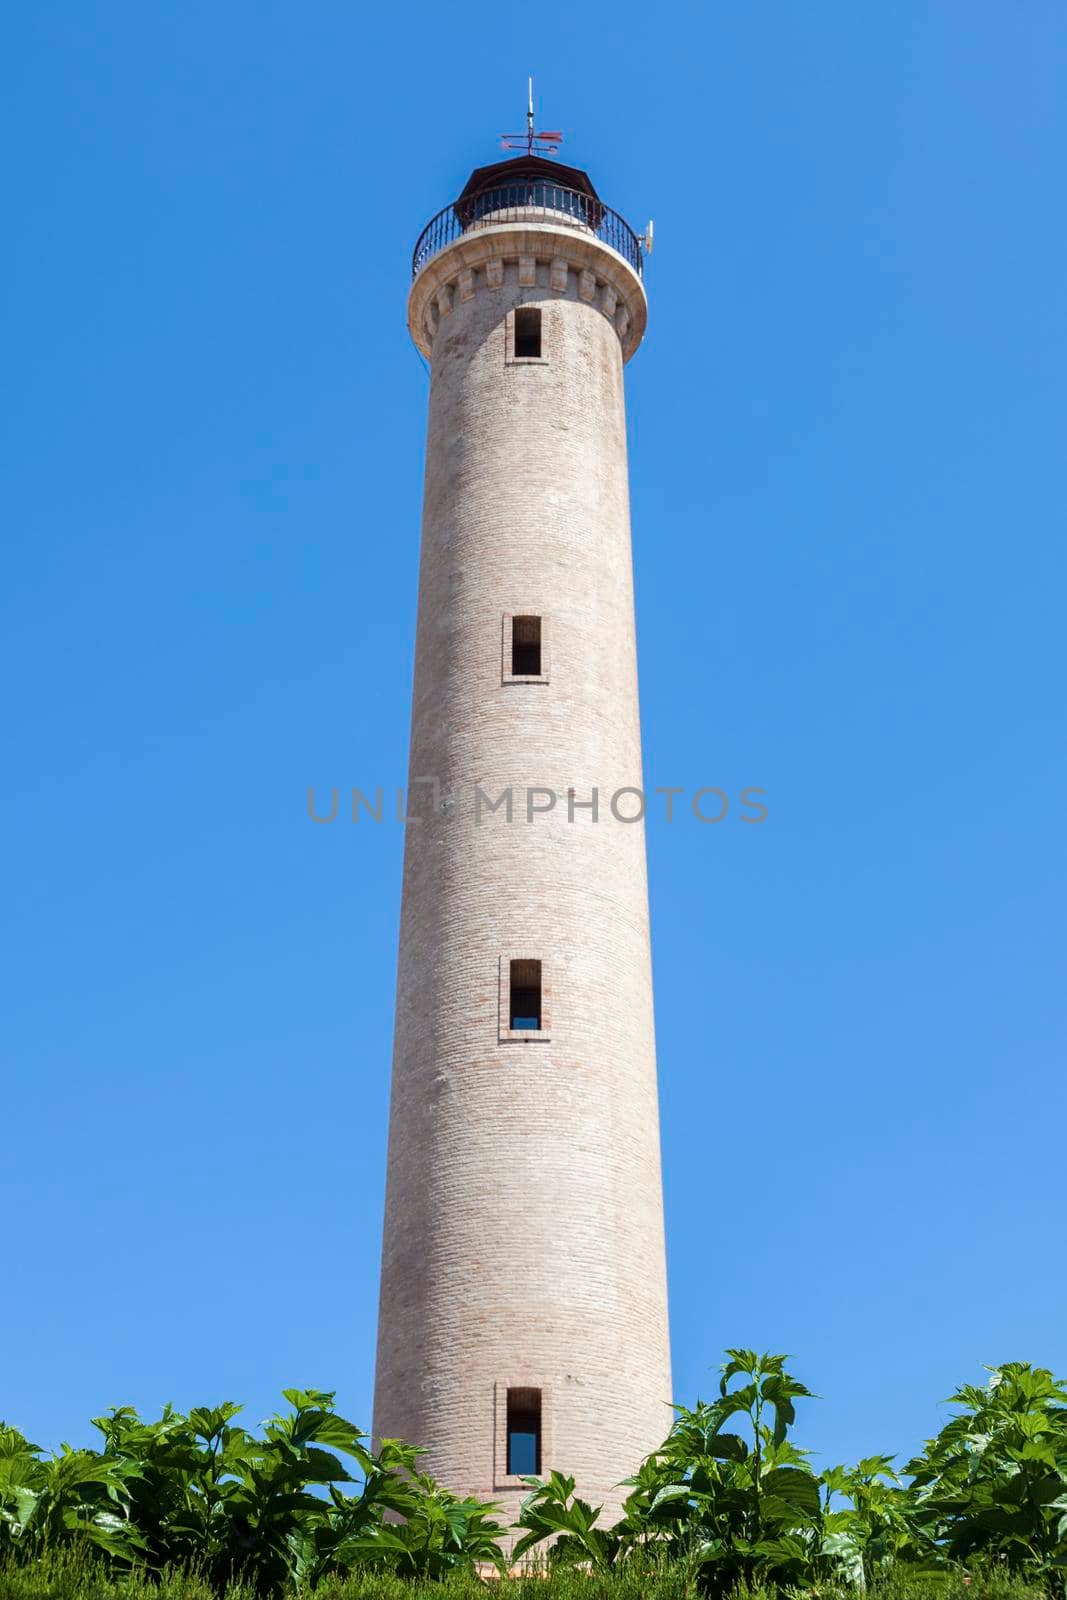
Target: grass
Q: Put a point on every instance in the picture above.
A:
(69, 1576)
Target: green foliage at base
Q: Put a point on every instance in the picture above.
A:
(198, 1491)
(194, 1507)
(733, 1502)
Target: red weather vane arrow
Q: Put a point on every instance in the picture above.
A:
(544, 143)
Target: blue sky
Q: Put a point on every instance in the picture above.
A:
(846, 431)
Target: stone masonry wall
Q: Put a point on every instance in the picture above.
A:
(524, 1231)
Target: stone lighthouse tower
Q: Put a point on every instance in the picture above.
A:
(523, 1315)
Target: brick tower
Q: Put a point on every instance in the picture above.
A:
(523, 1315)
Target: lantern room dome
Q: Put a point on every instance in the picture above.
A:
(529, 180)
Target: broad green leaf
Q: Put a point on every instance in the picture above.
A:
(793, 1485)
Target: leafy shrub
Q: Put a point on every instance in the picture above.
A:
(194, 1506)
(994, 1481)
(198, 1492)
(739, 1508)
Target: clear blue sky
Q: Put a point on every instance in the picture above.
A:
(847, 464)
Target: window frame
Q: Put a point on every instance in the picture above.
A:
(526, 1014)
(510, 358)
(507, 638)
(533, 1413)
(528, 324)
(506, 1034)
(518, 644)
(502, 1478)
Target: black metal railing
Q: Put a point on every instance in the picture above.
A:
(535, 199)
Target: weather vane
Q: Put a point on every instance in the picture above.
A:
(535, 144)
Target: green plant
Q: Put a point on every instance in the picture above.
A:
(730, 1507)
(206, 1491)
(878, 1528)
(194, 1506)
(200, 1492)
(551, 1511)
(74, 1496)
(994, 1480)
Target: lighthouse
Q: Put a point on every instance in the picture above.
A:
(523, 1307)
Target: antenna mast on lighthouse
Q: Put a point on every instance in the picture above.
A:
(543, 143)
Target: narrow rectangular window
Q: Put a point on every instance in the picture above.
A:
(524, 1432)
(527, 330)
(526, 647)
(524, 1010)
